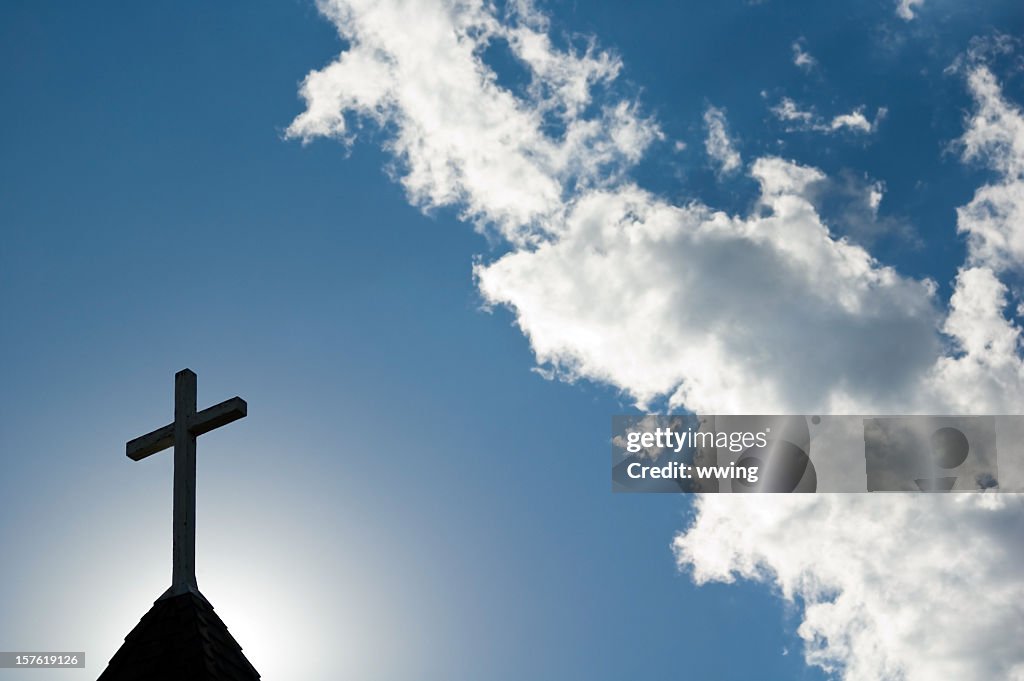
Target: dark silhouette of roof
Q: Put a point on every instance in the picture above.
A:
(181, 638)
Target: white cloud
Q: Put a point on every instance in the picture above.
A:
(875, 195)
(989, 369)
(761, 312)
(929, 587)
(717, 144)
(905, 8)
(461, 138)
(801, 57)
(787, 110)
(994, 219)
(686, 301)
(908, 588)
(807, 119)
(856, 121)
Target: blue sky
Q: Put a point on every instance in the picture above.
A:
(407, 498)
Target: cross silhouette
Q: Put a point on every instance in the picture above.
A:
(188, 425)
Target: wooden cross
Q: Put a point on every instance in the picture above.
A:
(188, 424)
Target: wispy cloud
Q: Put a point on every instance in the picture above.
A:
(787, 110)
(808, 119)
(850, 204)
(718, 145)
(991, 367)
(905, 8)
(461, 139)
(801, 57)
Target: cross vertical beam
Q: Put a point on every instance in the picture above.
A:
(181, 434)
(184, 550)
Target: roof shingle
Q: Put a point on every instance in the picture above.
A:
(181, 638)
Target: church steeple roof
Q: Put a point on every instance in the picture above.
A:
(181, 638)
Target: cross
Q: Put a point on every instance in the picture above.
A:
(188, 424)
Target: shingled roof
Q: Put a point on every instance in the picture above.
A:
(181, 638)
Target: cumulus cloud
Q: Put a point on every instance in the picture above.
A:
(930, 588)
(689, 302)
(765, 311)
(808, 119)
(718, 145)
(912, 587)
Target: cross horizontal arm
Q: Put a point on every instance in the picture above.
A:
(203, 422)
(218, 415)
(150, 443)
